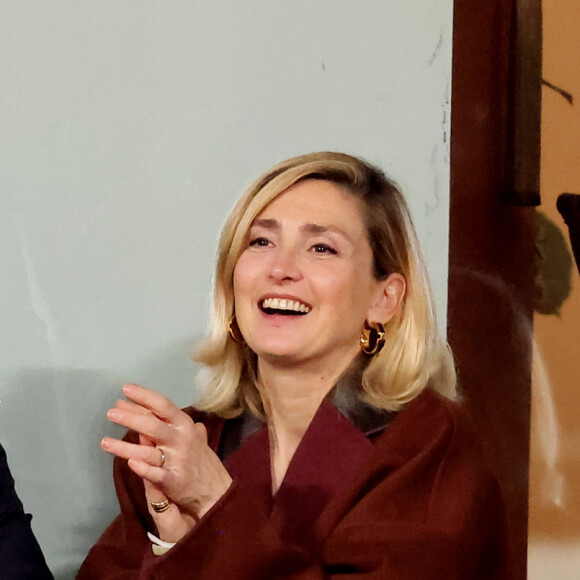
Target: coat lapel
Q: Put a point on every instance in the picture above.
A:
(333, 451)
(329, 456)
(249, 466)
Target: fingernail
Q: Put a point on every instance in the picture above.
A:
(128, 388)
(113, 414)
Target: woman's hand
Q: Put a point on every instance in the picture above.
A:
(172, 457)
(172, 523)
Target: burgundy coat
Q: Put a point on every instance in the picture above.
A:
(365, 497)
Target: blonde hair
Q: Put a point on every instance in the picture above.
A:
(414, 354)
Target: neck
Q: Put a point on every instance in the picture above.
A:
(294, 393)
(292, 396)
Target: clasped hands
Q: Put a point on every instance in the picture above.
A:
(172, 458)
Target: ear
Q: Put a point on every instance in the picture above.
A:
(389, 299)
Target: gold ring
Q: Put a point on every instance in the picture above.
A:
(160, 506)
(162, 459)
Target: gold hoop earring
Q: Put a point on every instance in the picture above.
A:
(372, 338)
(234, 331)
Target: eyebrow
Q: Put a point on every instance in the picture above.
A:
(273, 224)
(269, 224)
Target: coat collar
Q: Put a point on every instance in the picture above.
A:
(333, 451)
(331, 454)
(368, 420)
(345, 396)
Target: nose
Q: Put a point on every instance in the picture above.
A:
(285, 266)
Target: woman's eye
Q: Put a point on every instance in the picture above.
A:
(323, 249)
(261, 242)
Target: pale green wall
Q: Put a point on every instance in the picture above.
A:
(127, 129)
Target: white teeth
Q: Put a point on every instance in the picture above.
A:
(285, 304)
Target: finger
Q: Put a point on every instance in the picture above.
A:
(148, 424)
(144, 440)
(131, 407)
(171, 523)
(158, 404)
(153, 493)
(145, 453)
(200, 431)
(143, 469)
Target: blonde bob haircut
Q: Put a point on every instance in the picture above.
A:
(414, 355)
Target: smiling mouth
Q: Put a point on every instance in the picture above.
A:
(284, 306)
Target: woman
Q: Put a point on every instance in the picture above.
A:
(326, 444)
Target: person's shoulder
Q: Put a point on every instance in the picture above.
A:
(434, 425)
(433, 440)
(434, 411)
(4, 471)
(9, 502)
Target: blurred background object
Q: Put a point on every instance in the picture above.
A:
(568, 205)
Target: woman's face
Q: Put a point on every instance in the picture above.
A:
(304, 284)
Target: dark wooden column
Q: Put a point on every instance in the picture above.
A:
(491, 269)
